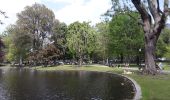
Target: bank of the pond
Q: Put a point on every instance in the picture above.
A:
(153, 87)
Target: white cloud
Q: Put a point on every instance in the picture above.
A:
(63, 1)
(75, 10)
(83, 11)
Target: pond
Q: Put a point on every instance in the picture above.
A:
(25, 84)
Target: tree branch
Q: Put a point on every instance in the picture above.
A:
(161, 23)
(146, 18)
(158, 8)
(166, 9)
(142, 10)
(4, 14)
(153, 7)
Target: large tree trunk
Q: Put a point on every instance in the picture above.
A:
(150, 65)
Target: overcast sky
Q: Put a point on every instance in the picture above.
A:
(67, 11)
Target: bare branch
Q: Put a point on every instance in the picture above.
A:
(153, 7)
(166, 9)
(1, 22)
(161, 23)
(3, 13)
(142, 10)
(158, 8)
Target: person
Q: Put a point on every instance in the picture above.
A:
(126, 65)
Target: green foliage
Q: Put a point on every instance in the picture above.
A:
(31, 32)
(59, 33)
(102, 40)
(166, 36)
(126, 40)
(18, 43)
(59, 37)
(161, 48)
(163, 44)
(1, 49)
(80, 39)
(37, 20)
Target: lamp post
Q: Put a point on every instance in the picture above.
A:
(139, 56)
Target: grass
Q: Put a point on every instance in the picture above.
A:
(86, 68)
(166, 66)
(154, 87)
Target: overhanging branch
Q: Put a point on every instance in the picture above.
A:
(146, 18)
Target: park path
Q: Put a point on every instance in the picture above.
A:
(136, 69)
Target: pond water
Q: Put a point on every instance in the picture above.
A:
(24, 84)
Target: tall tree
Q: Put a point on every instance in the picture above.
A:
(18, 43)
(153, 20)
(124, 40)
(80, 39)
(103, 40)
(163, 45)
(59, 36)
(1, 42)
(1, 49)
(38, 21)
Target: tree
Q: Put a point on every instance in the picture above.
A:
(38, 21)
(1, 42)
(102, 40)
(59, 37)
(48, 54)
(125, 43)
(153, 20)
(80, 39)
(18, 43)
(1, 49)
(10, 50)
(163, 45)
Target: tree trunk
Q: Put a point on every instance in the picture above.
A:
(20, 61)
(121, 58)
(80, 60)
(150, 47)
(138, 59)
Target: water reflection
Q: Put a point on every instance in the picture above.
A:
(22, 84)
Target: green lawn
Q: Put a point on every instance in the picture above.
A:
(153, 87)
(87, 68)
(166, 66)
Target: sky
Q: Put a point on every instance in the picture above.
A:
(67, 11)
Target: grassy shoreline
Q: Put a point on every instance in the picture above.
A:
(85, 68)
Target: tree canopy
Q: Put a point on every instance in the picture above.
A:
(80, 39)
